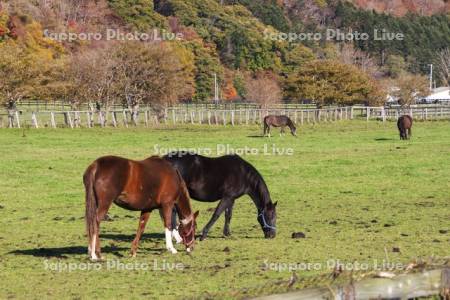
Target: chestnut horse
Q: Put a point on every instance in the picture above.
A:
(140, 186)
(404, 125)
(279, 121)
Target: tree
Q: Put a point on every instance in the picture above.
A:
(410, 88)
(297, 56)
(353, 56)
(29, 63)
(264, 90)
(329, 82)
(153, 73)
(92, 76)
(395, 65)
(443, 64)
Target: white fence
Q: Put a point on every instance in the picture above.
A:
(233, 117)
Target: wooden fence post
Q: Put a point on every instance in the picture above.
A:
(34, 120)
(17, 119)
(69, 118)
(125, 118)
(174, 118)
(10, 118)
(146, 118)
(76, 119)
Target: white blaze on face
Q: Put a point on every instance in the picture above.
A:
(169, 244)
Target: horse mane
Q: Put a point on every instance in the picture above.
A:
(290, 123)
(256, 181)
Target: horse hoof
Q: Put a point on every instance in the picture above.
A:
(96, 258)
(133, 255)
(173, 250)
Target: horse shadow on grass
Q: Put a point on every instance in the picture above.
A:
(65, 252)
(130, 238)
(381, 139)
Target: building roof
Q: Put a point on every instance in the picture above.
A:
(442, 93)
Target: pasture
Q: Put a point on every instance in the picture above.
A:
(353, 188)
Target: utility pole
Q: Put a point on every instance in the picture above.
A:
(431, 77)
(216, 90)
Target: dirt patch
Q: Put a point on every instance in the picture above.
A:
(298, 235)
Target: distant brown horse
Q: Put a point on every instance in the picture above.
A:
(404, 125)
(279, 121)
(140, 186)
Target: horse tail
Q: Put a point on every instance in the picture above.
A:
(91, 202)
(266, 124)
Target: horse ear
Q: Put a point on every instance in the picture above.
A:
(196, 214)
(275, 204)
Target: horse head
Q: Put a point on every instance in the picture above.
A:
(267, 218)
(187, 231)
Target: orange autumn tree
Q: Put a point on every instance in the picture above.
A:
(229, 92)
(29, 63)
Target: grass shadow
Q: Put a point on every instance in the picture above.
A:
(130, 238)
(255, 136)
(65, 252)
(384, 139)
(52, 252)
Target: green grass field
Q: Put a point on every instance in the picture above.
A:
(353, 188)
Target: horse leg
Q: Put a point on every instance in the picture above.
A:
(224, 203)
(166, 213)
(175, 233)
(228, 214)
(142, 222)
(409, 133)
(102, 210)
(282, 131)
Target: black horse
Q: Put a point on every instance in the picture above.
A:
(225, 178)
(279, 121)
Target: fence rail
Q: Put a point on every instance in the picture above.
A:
(186, 115)
(59, 105)
(407, 286)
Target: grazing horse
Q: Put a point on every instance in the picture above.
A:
(278, 121)
(225, 178)
(140, 186)
(404, 125)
